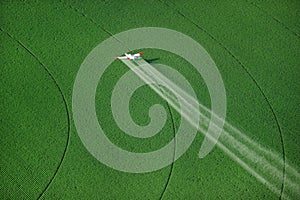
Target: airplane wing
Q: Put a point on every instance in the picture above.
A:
(138, 54)
(121, 58)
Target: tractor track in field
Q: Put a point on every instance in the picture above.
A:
(65, 105)
(172, 164)
(168, 106)
(274, 18)
(174, 7)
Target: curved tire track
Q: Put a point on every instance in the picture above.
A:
(168, 106)
(172, 165)
(65, 105)
(253, 79)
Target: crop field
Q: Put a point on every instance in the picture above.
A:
(254, 44)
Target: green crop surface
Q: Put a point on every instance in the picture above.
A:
(255, 45)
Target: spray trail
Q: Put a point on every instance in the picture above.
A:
(259, 161)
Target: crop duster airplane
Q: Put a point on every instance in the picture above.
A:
(130, 56)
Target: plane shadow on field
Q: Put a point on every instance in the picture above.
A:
(152, 60)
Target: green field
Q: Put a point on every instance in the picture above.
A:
(255, 45)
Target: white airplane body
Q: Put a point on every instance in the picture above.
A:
(130, 56)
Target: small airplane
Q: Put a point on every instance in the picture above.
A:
(130, 56)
